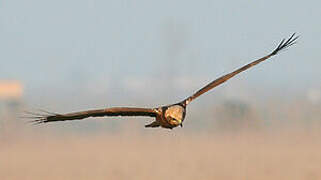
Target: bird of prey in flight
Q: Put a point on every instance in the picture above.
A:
(169, 116)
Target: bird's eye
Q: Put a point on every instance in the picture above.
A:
(176, 120)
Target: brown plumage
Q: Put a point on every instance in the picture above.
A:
(169, 116)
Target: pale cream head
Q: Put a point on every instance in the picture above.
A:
(175, 114)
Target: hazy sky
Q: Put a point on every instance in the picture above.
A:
(119, 48)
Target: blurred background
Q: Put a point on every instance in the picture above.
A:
(65, 56)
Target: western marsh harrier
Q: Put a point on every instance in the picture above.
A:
(169, 116)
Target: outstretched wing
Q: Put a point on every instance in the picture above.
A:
(283, 44)
(116, 111)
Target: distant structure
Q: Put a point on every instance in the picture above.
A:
(235, 115)
(11, 93)
(313, 95)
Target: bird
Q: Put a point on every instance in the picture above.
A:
(168, 116)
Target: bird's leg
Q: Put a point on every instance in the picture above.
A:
(153, 124)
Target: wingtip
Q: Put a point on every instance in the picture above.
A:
(36, 118)
(286, 43)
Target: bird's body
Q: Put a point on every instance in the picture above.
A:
(169, 116)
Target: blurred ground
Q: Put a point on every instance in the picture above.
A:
(163, 155)
(231, 139)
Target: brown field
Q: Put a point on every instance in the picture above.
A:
(163, 154)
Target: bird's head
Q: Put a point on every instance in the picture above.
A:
(175, 115)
